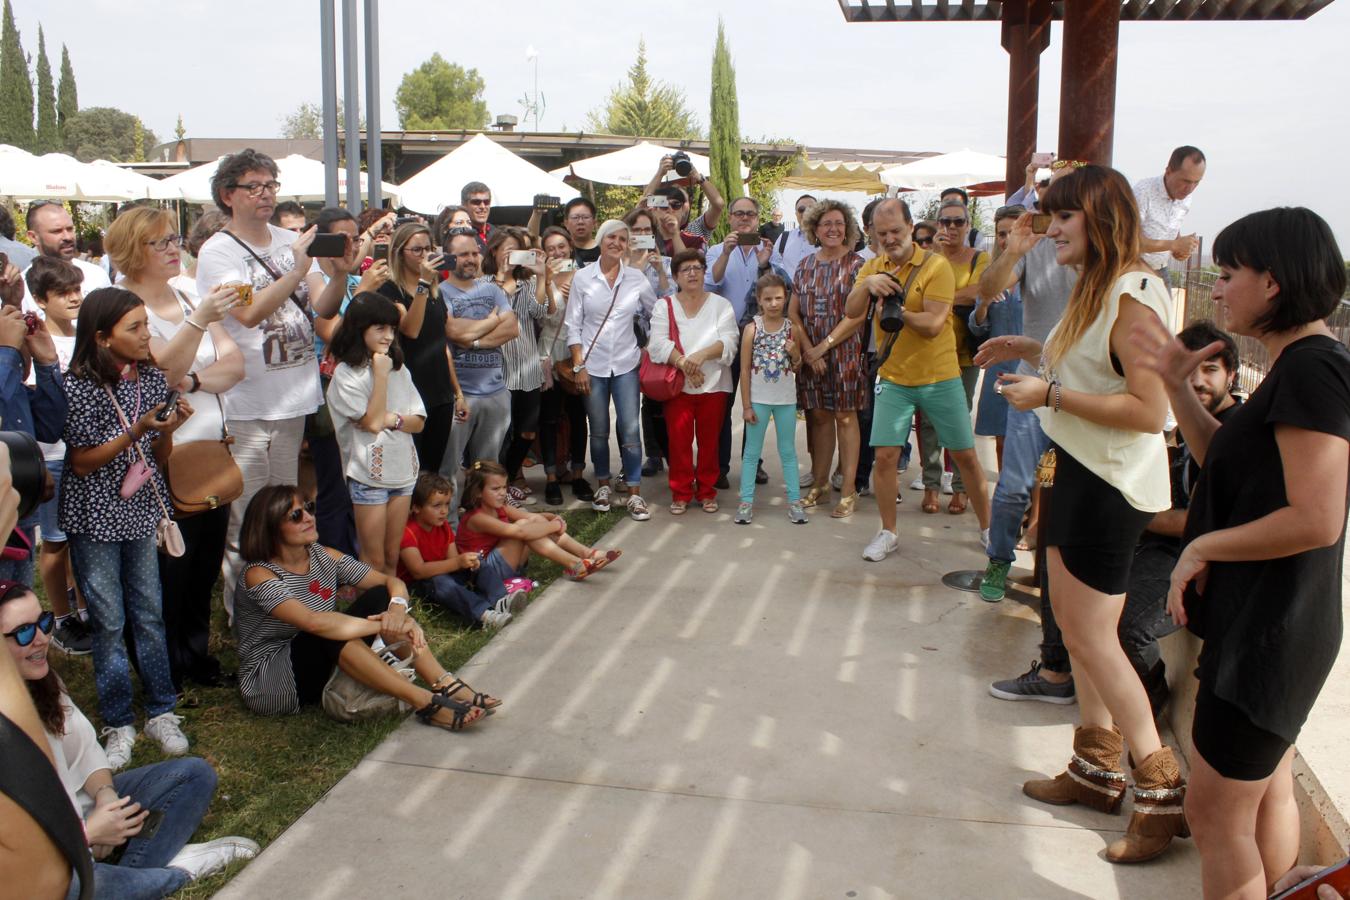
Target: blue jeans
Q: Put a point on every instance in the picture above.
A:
(181, 789)
(1022, 449)
(120, 581)
(785, 429)
(490, 579)
(624, 389)
(447, 592)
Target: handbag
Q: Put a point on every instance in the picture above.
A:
(203, 475)
(662, 381)
(347, 700)
(168, 537)
(138, 473)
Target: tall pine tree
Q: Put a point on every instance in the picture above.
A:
(724, 132)
(16, 90)
(48, 138)
(67, 105)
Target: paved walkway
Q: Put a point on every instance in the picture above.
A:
(732, 712)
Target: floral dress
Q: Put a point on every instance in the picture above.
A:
(822, 287)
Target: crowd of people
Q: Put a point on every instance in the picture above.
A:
(418, 368)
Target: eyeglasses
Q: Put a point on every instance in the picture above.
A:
(295, 515)
(677, 203)
(256, 189)
(24, 634)
(695, 270)
(952, 223)
(481, 201)
(923, 241)
(744, 213)
(163, 243)
(580, 217)
(418, 251)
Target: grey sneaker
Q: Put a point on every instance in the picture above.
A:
(637, 508)
(1031, 686)
(72, 637)
(797, 513)
(600, 503)
(745, 513)
(495, 618)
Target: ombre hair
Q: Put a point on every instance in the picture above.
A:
(129, 236)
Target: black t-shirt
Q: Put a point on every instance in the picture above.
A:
(585, 256)
(425, 354)
(1272, 627)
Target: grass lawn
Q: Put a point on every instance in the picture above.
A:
(273, 769)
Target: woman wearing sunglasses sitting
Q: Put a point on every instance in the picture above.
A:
(137, 822)
(291, 635)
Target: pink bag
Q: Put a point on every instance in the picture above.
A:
(168, 536)
(138, 473)
(662, 381)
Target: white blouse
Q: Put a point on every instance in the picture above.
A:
(616, 351)
(77, 755)
(715, 321)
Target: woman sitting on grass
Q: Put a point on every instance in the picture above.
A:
(291, 635)
(504, 535)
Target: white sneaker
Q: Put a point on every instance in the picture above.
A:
(837, 480)
(866, 490)
(637, 508)
(946, 482)
(200, 860)
(164, 729)
(807, 480)
(600, 503)
(119, 744)
(511, 602)
(884, 544)
(495, 618)
(916, 484)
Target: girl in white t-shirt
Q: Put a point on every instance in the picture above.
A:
(376, 410)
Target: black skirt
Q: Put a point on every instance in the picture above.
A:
(1090, 521)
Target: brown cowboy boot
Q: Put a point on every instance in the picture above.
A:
(1158, 816)
(1094, 776)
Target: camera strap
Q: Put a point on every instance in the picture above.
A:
(890, 344)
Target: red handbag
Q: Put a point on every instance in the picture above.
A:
(662, 381)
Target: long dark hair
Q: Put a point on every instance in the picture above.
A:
(260, 535)
(47, 690)
(366, 309)
(99, 314)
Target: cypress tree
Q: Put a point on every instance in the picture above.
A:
(16, 90)
(48, 139)
(67, 105)
(724, 132)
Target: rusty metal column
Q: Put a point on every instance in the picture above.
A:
(1026, 34)
(1087, 92)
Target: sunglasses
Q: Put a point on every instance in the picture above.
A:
(480, 202)
(923, 241)
(24, 634)
(295, 515)
(951, 223)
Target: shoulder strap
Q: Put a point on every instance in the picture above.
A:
(782, 241)
(224, 430)
(136, 446)
(618, 281)
(975, 261)
(276, 276)
(674, 331)
(27, 778)
(890, 344)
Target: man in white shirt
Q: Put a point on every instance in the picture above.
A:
(52, 232)
(1164, 200)
(792, 246)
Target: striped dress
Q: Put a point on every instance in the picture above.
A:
(266, 682)
(520, 356)
(822, 286)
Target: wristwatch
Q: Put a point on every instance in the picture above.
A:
(475, 343)
(576, 370)
(422, 287)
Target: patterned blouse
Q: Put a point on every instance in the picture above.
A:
(821, 287)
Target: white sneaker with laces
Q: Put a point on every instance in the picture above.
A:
(637, 508)
(946, 482)
(200, 860)
(495, 618)
(806, 480)
(916, 484)
(165, 729)
(884, 544)
(837, 480)
(511, 602)
(118, 746)
(601, 501)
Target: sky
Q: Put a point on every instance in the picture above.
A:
(1263, 100)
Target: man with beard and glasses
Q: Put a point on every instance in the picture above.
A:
(1144, 619)
(52, 233)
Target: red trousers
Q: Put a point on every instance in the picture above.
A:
(689, 416)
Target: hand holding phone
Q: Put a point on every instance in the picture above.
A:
(1040, 222)
(170, 405)
(380, 252)
(1041, 160)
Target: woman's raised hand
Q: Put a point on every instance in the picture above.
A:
(213, 307)
(1022, 237)
(429, 269)
(1006, 348)
(1161, 352)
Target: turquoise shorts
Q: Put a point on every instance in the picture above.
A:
(943, 404)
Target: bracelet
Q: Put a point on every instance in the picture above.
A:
(1049, 386)
(201, 328)
(196, 383)
(398, 422)
(401, 601)
(1058, 397)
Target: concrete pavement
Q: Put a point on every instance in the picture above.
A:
(732, 711)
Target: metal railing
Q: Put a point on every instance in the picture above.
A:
(1254, 363)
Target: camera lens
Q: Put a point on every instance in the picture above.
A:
(26, 467)
(682, 164)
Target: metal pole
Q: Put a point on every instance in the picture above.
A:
(374, 153)
(1087, 88)
(351, 93)
(328, 66)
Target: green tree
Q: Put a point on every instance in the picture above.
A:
(305, 122)
(440, 95)
(101, 132)
(67, 104)
(48, 138)
(179, 132)
(16, 90)
(724, 129)
(642, 107)
(138, 135)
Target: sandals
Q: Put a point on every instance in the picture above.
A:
(845, 507)
(678, 507)
(710, 505)
(478, 699)
(583, 569)
(930, 500)
(427, 714)
(960, 500)
(604, 558)
(813, 496)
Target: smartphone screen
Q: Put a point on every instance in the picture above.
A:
(169, 403)
(1040, 222)
(380, 252)
(150, 827)
(328, 245)
(748, 239)
(1042, 159)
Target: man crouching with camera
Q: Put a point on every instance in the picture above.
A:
(917, 365)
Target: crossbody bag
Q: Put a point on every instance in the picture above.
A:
(167, 536)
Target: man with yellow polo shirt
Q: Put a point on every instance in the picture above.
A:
(919, 365)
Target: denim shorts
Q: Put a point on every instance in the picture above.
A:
(51, 529)
(370, 495)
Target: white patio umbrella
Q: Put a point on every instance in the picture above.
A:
(964, 168)
(633, 165)
(27, 176)
(512, 180)
(301, 179)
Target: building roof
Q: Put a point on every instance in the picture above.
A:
(1130, 10)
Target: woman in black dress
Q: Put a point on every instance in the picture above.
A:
(1260, 577)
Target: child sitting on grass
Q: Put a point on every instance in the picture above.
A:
(505, 535)
(431, 565)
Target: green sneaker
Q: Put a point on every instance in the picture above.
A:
(993, 586)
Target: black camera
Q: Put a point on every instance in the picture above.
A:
(893, 307)
(683, 166)
(27, 469)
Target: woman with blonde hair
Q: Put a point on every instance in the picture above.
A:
(832, 385)
(1105, 476)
